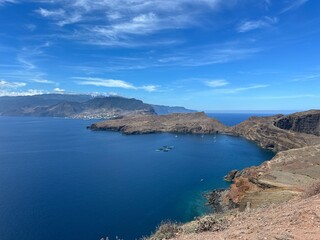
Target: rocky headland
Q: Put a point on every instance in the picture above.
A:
(295, 167)
(193, 123)
(268, 188)
(266, 133)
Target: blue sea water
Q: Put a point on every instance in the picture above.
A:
(59, 180)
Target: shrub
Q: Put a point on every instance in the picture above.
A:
(166, 230)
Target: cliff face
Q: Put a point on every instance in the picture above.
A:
(296, 165)
(303, 122)
(263, 131)
(196, 123)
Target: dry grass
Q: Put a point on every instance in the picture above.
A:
(312, 189)
(166, 230)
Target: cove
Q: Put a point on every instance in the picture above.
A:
(59, 180)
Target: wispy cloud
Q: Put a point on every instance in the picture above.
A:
(51, 13)
(25, 65)
(2, 2)
(29, 92)
(121, 22)
(209, 55)
(216, 83)
(40, 80)
(294, 4)
(100, 82)
(250, 25)
(289, 96)
(4, 84)
(112, 83)
(307, 78)
(239, 89)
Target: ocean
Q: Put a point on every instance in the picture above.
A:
(59, 180)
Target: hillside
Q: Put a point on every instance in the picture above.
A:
(297, 219)
(80, 106)
(196, 123)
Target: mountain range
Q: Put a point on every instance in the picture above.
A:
(80, 106)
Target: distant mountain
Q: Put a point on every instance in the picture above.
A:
(81, 106)
(164, 110)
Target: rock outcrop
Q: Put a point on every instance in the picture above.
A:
(263, 131)
(303, 122)
(195, 123)
(286, 175)
(296, 165)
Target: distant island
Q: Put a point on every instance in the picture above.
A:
(81, 106)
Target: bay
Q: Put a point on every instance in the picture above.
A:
(59, 180)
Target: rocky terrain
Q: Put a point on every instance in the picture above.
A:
(295, 166)
(296, 219)
(304, 122)
(195, 123)
(264, 131)
(268, 188)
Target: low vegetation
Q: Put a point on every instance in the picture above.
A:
(166, 230)
(312, 189)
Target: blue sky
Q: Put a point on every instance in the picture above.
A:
(204, 54)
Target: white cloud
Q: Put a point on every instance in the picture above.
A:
(112, 94)
(257, 24)
(112, 83)
(51, 13)
(149, 88)
(123, 20)
(58, 90)
(29, 92)
(294, 4)
(216, 83)
(4, 84)
(100, 82)
(39, 80)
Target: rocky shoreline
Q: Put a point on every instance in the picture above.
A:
(295, 139)
(297, 144)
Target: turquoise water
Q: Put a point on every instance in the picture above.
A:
(59, 180)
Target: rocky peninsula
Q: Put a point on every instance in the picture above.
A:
(193, 123)
(296, 166)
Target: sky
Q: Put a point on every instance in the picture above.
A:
(200, 54)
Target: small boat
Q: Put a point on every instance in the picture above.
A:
(165, 148)
(201, 180)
